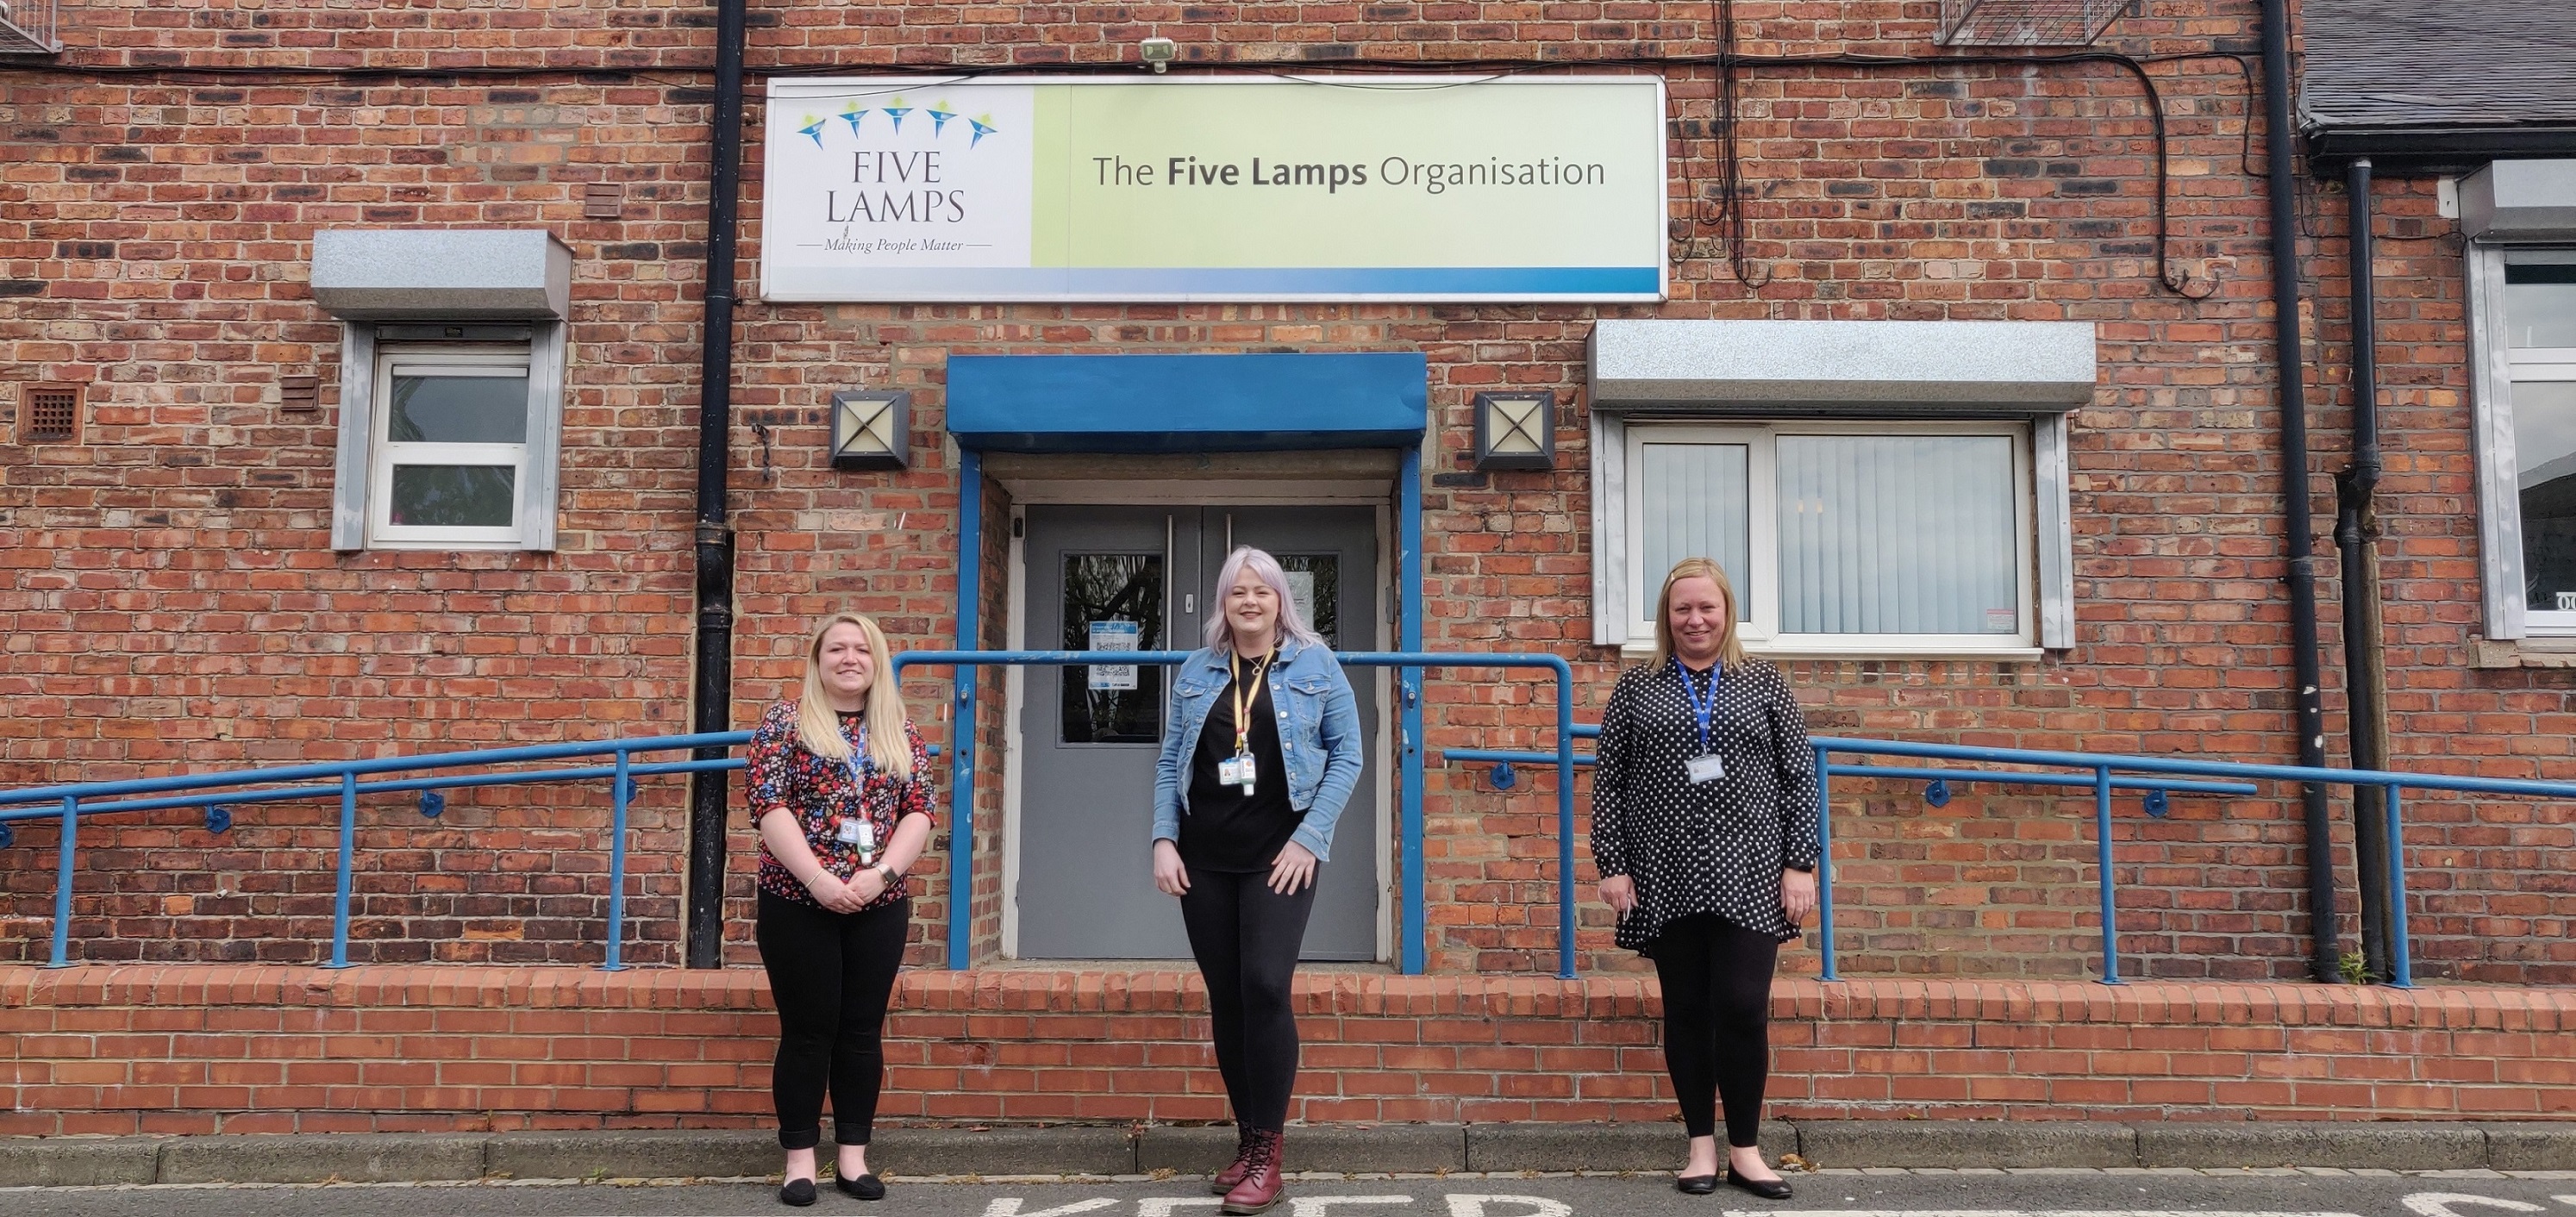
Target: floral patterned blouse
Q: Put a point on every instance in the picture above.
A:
(818, 792)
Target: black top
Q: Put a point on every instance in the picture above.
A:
(1708, 847)
(1222, 830)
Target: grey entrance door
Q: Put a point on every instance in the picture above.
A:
(1104, 574)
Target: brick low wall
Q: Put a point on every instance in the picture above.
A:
(195, 1049)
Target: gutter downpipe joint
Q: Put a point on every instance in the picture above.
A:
(2300, 535)
(712, 690)
(2356, 537)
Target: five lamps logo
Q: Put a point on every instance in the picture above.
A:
(891, 177)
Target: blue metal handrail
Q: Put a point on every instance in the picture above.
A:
(1409, 857)
(218, 792)
(2102, 782)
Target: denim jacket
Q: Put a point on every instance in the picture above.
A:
(1319, 738)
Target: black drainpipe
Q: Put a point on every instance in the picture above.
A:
(2357, 541)
(2301, 534)
(712, 694)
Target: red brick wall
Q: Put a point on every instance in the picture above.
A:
(173, 602)
(235, 1049)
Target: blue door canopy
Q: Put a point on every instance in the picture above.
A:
(1186, 403)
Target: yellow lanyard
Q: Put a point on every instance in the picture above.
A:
(1244, 696)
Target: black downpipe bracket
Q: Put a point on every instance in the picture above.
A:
(2300, 539)
(712, 693)
(2356, 537)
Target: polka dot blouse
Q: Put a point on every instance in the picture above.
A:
(1709, 847)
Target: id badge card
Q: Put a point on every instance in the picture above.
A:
(1237, 770)
(1705, 769)
(853, 830)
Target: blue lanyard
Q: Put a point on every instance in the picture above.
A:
(1704, 711)
(860, 767)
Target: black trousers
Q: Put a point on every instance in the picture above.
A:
(1717, 1021)
(1246, 938)
(831, 975)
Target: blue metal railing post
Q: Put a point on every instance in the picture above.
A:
(617, 867)
(63, 884)
(2110, 917)
(961, 729)
(1825, 860)
(2401, 962)
(1413, 938)
(348, 863)
(1564, 821)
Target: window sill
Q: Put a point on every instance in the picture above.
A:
(1639, 652)
(2523, 653)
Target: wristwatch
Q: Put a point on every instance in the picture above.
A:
(1803, 868)
(887, 869)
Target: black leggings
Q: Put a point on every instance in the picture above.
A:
(1246, 938)
(831, 975)
(1717, 1021)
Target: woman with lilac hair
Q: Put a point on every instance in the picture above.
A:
(1260, 752)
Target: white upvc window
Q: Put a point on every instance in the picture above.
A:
(1841, 537)
(449, 436)
(2527, 334)
(450, 459)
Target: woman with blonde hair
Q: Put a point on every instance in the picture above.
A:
(1260, 752)
(1704, 827)
(840, 788)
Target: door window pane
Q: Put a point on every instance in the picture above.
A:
(442, 407)
(1113, 602)
(455, 496)
(2544, 450)
(2540, 298)
(1897, 534)
(1696, 503)
(1315, 580)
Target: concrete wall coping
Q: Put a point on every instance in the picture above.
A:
(1112, 1150)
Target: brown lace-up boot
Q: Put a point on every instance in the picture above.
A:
(1261, 1184)
(1233, 1173)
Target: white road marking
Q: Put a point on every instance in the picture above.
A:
(1009, 1206)
(2438, 1204)
(1162, 1206)
(1314, 1206)
(1539, 1206)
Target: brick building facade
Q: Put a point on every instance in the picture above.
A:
(175, 598)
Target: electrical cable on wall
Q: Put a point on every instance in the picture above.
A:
(1729, 219)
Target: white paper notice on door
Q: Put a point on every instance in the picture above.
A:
(1301, 589)
(1114, 636)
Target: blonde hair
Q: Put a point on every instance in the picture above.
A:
(819, 729)
(1730, 649)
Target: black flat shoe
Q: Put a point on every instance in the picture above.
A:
(865, 1187)
(1695, 1185)
(798, 1193)
(1768, 1189)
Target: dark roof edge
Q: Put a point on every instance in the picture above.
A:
(2425, 150)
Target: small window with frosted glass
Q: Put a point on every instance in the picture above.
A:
(1837, 537)
(450, 452)
(2540, 354)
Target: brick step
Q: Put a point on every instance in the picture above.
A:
(479, 1050)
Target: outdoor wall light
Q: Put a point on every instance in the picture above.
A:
(1160, 52)
(871, 430)
(1516, 430)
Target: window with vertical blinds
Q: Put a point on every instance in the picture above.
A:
(1919, 534)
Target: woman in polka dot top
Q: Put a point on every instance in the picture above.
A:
(1704, 826)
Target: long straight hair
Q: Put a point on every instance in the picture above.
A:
(1730, 649)
(1292, 624)
(819, 729)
